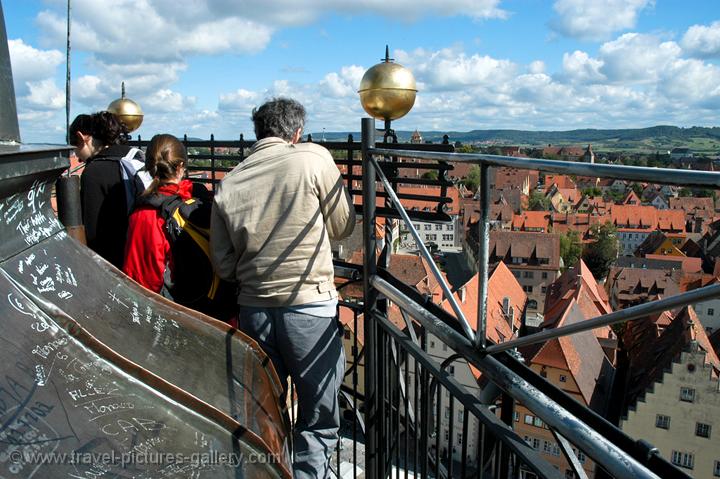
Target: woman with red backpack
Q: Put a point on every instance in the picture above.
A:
(167, 243)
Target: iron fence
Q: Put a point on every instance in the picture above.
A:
(394, 412)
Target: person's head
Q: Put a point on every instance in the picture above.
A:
(165, 160)
(280, 117)
(90, 134)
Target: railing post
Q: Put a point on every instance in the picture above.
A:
(212, 160)
(372, 421)
(483, 255)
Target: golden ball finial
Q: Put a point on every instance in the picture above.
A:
(387, 90)
(127, 111)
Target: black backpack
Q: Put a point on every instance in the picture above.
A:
(194, 283)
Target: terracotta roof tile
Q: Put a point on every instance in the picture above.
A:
(531, 221)
(585, 360)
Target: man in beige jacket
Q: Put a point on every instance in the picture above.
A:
(273, 218)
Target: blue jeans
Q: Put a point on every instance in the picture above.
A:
(309, 349)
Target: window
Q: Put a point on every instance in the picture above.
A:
(447, 435)
(346, 334)
(687, 394)
(543, 289)
(547, 446)
(451, 369)
(459, 438)
(537, 422)
(663, 422)
(516, 416)
(528, 274)
(528, 289)
(447, 413)
(683, 459)
(532, 304)
(516, 274)
(428, 227)
(702, 430)
(581, 457)
(461, 415)
(711, 311)
(516, 260)
(544, 275)
(431, 237)
(535, 443)
(448, 227)
(438, 227)
(528, 419)
(432, 344)
(563, 378)
(716, 469)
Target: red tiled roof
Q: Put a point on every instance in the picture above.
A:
(577, 285)
(514, 178)
(646, 218)
(524, 244)
(691, 204)
(561, 181)
(531, 220)
(583, 356)
(652, 356)
(688, 265)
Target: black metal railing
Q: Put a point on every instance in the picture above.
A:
(575, 427)
(409, 414)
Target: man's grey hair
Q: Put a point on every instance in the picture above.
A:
(280, 117)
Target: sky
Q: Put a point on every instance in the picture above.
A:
(198, 67)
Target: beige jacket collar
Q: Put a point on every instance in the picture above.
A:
(268, 142)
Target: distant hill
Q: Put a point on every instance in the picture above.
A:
(652, 138)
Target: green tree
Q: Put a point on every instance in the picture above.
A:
(593, 191)
(472, 180)
(684, 192)
(430, 175)
(603, 251)
(538, 202)
(570, 248)
(464, 148)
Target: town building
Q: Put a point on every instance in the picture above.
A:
(672, 398)
(533, 258)
(440, 235)
(576, 364)
(578, 284)
(630, 286)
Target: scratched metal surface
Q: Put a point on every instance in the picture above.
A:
(133, 359)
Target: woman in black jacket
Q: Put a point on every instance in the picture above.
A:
(100, 141)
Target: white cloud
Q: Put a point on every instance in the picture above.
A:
(166, 100)
(449, 69)
(31, 64)
(238, 100)
(343, 84)
(702, 41)
(596, 19)
(45, 95)
(692, 83)
(536, 66)
(579, 67)
(637, 57)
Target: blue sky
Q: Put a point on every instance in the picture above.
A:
(199, 67)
